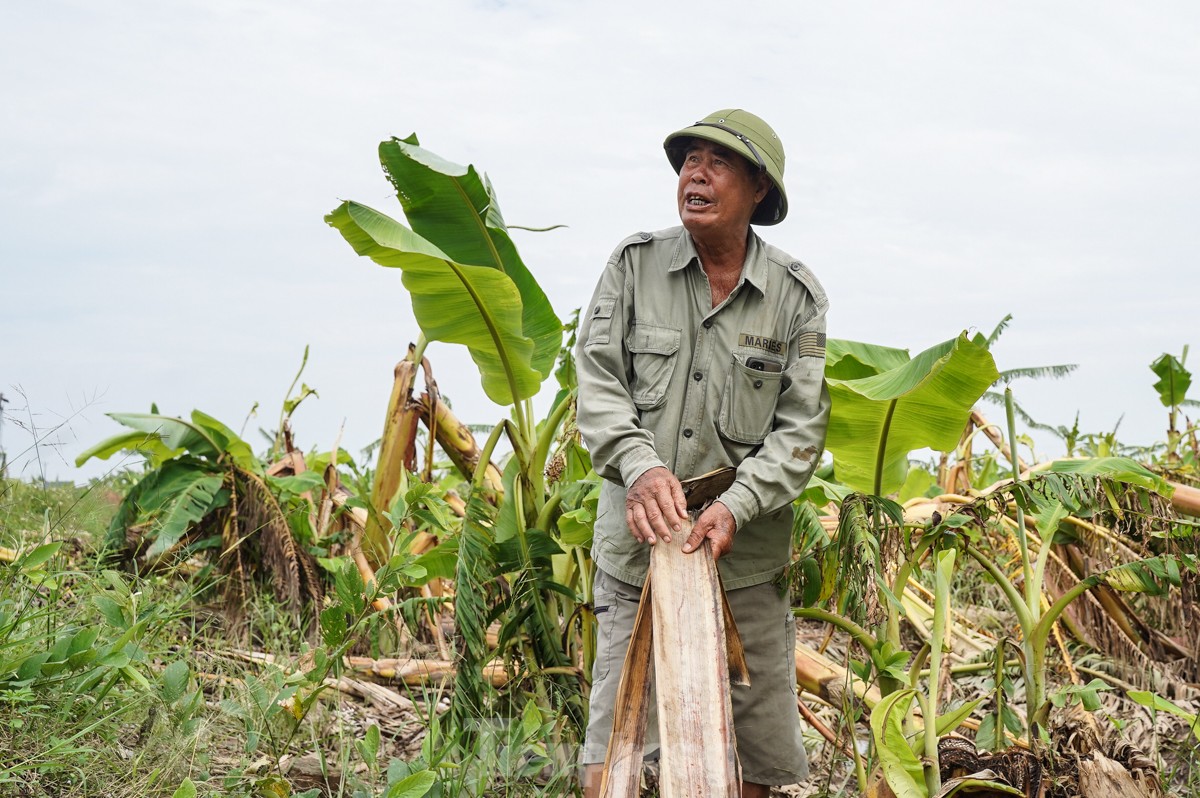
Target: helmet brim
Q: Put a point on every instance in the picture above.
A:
(773, 207)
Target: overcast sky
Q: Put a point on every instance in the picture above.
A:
(165, 167)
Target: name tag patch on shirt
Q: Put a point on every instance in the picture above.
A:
(760, 342)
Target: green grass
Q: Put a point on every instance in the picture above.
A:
(31, 512)
(94, 696)
(118, 684)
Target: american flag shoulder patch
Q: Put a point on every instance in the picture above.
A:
(811, 344)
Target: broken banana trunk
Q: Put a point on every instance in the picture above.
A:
(684, 641)
(396, 455)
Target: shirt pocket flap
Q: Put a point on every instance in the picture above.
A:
(652, 339)
(600, 321)
(603, 309)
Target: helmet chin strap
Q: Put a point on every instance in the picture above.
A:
(761, 164)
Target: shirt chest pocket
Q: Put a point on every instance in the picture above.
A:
(653, 350)
(748, 404)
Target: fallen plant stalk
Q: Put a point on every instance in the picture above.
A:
(409, 671)
(824, 680)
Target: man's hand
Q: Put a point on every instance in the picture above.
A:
(717, 524)
(655, 506)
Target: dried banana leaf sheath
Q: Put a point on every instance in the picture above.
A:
(623, 761)
(691, 664)
(684, 642)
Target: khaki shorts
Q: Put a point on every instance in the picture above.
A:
(766, 721)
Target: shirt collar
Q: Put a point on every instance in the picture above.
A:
(754, 269)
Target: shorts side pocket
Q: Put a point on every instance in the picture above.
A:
(789, 637)
(604, 607)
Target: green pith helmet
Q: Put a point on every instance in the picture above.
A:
(748, 136)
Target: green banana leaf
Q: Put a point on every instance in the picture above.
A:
(1152, 576)
(901, 767)
(877, 420)
(476, 306)
(1160, 704)
(175, 433)
(1173, 380)
(169, 501)
(1121, 469)
(147, 443)
(228, 441)
(163, 437)
(187, 501)
(848, 360)
(973, 785)
(455, 208)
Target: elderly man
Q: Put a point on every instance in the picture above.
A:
(704, 347)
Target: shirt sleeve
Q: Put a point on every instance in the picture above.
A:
(621, 449)
(791, 452)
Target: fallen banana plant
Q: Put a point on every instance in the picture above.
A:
(407, 671)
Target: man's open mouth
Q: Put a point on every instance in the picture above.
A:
(695, 200)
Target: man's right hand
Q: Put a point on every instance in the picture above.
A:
(655, 506)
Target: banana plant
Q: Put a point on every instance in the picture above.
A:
(884, 405)
(1049, 502)
(909, 760)
(203, 489)
(1173, 382)
(469, 286)
(467, 282)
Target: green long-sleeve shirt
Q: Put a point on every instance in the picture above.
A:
(665, 379)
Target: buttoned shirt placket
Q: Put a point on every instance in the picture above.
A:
(707, 336)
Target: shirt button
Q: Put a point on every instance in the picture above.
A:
(697, 376)
(707, 324)
(795, 267)
(758, 383)
(687, 433)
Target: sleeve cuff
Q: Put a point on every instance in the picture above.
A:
(742, 503)
(638, 462)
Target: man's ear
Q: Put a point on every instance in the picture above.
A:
(764, 187)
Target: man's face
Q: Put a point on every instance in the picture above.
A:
(718, 190)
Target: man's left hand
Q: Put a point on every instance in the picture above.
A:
(717, 524)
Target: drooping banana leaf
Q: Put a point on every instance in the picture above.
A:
(877, 420)
(186, 501)
(228, 441)
(477, 306)
(168, 501)
(163, 437)
(1121, 469)
(174, 432)
(1159, 704)
(147, 443)
(455, 208)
